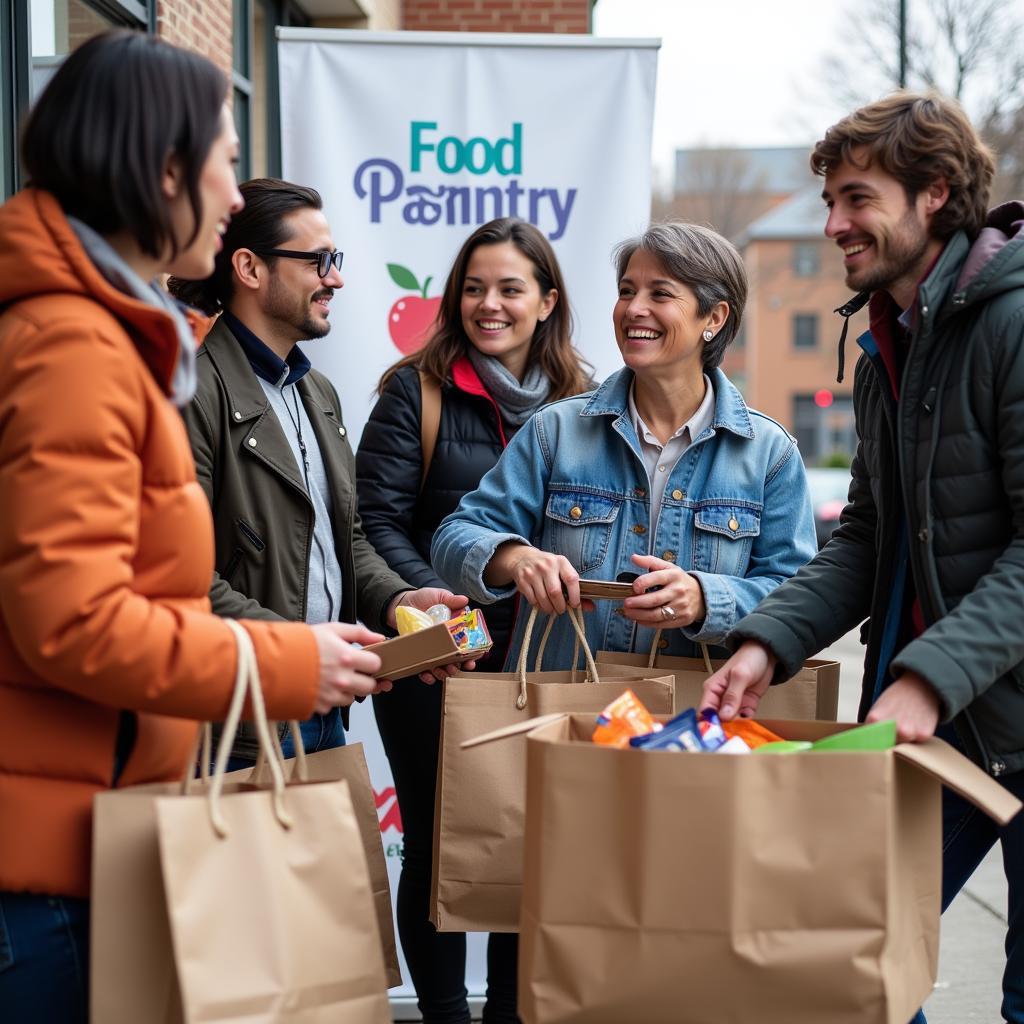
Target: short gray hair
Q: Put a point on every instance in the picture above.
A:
(706, 263)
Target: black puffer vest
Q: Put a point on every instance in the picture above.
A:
(398, 518)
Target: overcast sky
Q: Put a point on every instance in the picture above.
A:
(736, 72)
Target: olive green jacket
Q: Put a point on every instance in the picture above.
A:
(263, 519)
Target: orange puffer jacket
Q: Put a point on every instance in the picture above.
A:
(106, 556)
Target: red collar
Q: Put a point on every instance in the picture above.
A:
(884, 316)
(466, 379)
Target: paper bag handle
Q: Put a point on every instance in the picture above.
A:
(247, 681)
(705, 654)
(301, 770)
(576, 618)
(542, 647)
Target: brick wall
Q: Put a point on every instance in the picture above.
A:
(496, 15)
(202, 25)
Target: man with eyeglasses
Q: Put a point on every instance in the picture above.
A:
(269, 441)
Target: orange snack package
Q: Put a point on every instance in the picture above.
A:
(626, 716)
(752, 733)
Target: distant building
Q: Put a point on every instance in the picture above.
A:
(792, 332)
(730, 187)
(768, 202)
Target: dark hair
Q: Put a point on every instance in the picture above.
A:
(706, 263)
(99, 137)
(260, 225)
(917, 138)
(552, 345)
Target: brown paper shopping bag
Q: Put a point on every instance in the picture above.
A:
(677, 888)
(242, 903)
(812, 694)
(348, 763)
(478, 814)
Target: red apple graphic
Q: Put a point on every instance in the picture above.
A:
(411, 319)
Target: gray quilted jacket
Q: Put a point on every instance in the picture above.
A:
(951, 453)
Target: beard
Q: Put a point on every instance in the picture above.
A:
(288, 308)
(903, 255)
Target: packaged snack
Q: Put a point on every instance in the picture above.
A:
(681, 733)
(625, 717)
(783, 747)
(873, 736)
(711, 733)
(752, 733)
(469, 631)
(411, 620)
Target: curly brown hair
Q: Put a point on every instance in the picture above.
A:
(552, 344)
(917, 138)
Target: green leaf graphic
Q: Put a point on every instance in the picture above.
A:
(402, 277)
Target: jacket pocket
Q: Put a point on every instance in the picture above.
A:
(250, 534)
(578, 524)
(722, 537)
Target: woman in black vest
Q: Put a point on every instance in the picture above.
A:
(501, 349)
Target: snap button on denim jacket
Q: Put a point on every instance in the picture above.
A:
(573, 482)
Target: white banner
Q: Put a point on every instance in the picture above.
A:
(414, 140)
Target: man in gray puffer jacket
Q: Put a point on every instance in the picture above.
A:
(930, 549)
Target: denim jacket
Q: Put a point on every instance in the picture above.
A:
(736, 514)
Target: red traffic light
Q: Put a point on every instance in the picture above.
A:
(823, 398)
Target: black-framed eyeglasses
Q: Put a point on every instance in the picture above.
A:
(323, 260)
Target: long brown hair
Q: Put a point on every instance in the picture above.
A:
(552, 346)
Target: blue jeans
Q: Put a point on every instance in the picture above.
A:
(44, 959)
(321, 732)
(967, 836)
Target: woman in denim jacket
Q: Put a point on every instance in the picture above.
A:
(662, 475)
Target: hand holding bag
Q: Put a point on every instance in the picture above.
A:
(480, 796)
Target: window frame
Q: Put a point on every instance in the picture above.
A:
(16, 76)
(804, 318)
(808, 249)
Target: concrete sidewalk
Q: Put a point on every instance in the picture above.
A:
(973, 929)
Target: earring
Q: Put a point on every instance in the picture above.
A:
(709, 334)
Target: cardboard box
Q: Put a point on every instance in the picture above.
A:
(676, 888)
(416, 652)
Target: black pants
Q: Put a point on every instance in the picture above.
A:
(409, 720)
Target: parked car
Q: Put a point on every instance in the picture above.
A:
(829, 489)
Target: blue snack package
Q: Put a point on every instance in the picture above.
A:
(712, 734)
(681, 733)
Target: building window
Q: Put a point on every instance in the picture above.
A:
(805, 330)
(58, 26)
(806, 259)
(35, 37)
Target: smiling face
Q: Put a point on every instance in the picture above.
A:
(296, 301)
(884, 236)
(657, 324)
(220, 198)
(502, 304)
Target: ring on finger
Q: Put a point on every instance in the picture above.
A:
(667, 612)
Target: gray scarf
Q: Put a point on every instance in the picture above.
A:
(517, 401)
(124, 279)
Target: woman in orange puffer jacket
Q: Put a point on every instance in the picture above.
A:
(108, 652)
